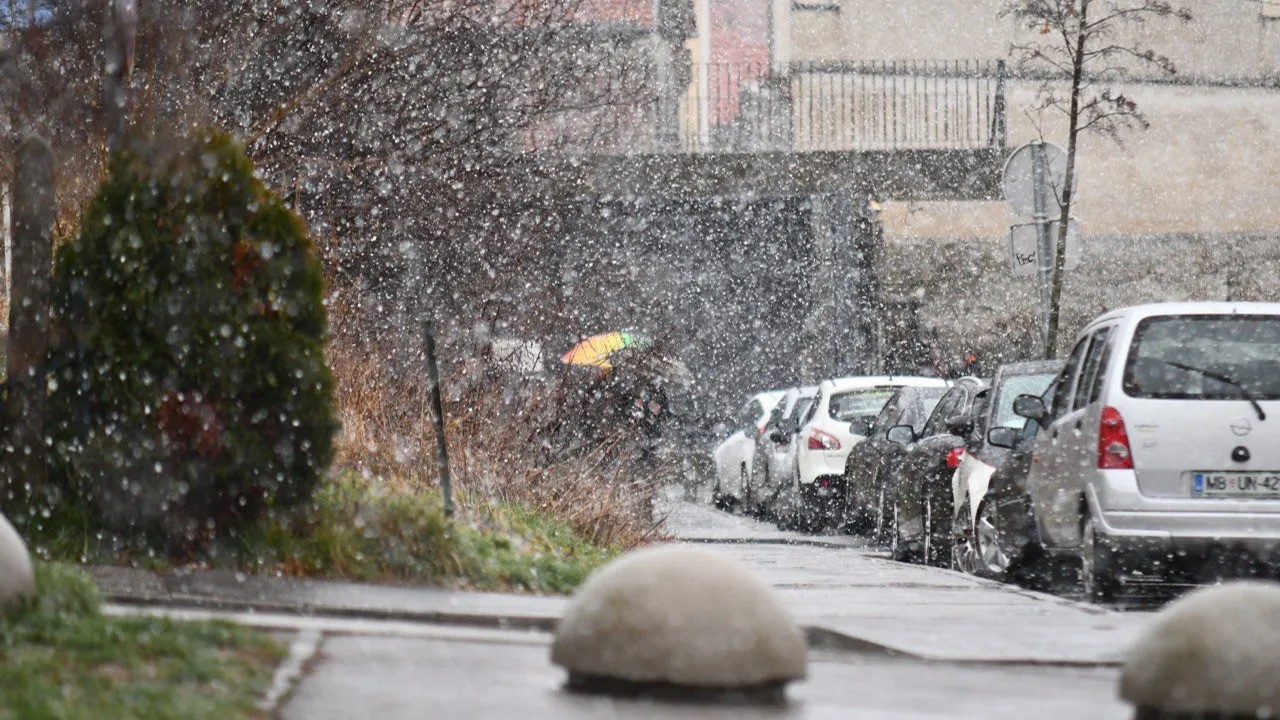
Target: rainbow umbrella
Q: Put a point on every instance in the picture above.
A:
(596, 350)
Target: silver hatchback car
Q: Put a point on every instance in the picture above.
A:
(1161, 450)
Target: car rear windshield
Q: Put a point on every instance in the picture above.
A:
(1205, 357)
(1011, 386)
(859, 403)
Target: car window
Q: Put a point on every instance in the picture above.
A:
(890, 415)
(945, 408)
(856, 404)
(1089, 370)
(1012, 386)
(751, 414)
(813, 408)
(1062, 399)
(800, 408)
(928, 402)
(1205, 356)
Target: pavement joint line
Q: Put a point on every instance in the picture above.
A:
(303, 650)
(805, 542)
(204, 602)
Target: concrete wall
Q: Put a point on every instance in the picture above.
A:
(969, 300)
(1228, 39)
(1210, 162)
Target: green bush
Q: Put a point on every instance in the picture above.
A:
(189, 390)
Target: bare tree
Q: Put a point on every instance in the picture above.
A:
(1085, 47)
(403, 130)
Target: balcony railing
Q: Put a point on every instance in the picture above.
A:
(804, 107)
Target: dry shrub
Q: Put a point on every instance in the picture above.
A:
(510, 440)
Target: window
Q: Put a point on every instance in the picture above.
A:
(945, 408)
(1092, 362)
(1011, 386)
(801, 408)
(1213, 357)
(849, 406)
(1271, 9)
(813, 408)
(1062, 398)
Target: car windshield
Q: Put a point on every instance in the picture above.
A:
(1205, 357)
(859, 403)
(1011, 386)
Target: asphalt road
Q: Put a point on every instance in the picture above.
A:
(892, 641)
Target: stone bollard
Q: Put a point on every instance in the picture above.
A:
(679, 623)
(17, 577)
(1213, 654)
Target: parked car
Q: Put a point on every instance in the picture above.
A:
(981, 458)
(872, 461)
(1160, 457)
(773, 467)
(733, 455)
(840, 417)
(1008, 544)
(920, 486)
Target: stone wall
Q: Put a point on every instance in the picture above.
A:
(968, 300)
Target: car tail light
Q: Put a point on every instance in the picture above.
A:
(953, 457)
(819, 440)
(1114, 452)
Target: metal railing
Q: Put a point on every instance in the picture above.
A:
(803, 107)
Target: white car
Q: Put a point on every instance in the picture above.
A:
(733, 456)
(775, 454)
(840, 416)
(1160, 453)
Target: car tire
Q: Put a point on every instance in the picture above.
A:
(936, 542)
(964, 546)
(990, 556)
(897, 549)
(880, 531)
(744, 485)
(1098, 567)
(718, 499)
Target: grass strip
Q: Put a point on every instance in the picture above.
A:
(60, 657)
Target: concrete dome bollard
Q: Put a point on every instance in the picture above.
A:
(680, 623)
(1213, 654)
(17, 577)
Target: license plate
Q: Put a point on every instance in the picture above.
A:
(1236, 484)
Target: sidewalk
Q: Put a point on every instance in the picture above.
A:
(886, 640)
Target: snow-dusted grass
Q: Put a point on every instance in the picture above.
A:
(60, 657)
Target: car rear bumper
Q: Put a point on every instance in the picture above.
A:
(829, 463)
(1188, 527)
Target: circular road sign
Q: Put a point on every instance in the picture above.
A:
(1018, 182)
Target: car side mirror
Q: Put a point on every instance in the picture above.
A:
(901, 434)
(960, 425)
(1030, 407)
(1005, 437)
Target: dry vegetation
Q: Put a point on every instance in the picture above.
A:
(502, 443)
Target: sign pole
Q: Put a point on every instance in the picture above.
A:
(437, 416)
(1044, 245)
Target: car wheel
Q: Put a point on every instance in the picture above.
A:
(937, 532)
(719, 499)
(1098, 569)
(899, 550)
(964, 551)
(744, 485)
(991, 559)
(880, 533)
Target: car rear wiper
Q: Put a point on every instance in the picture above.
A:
(1244, 391)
